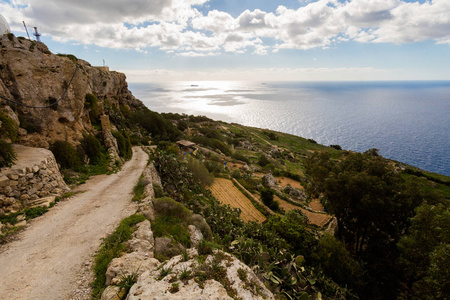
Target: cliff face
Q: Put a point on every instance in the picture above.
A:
(32, 75)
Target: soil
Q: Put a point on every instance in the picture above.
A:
(52, 257)
(284, 181)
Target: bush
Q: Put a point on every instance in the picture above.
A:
(263, 160)
(267, 198)
(200, 172)
(8, 128)
(93, 148)
(92, 104)
(7, 154)
(337, 147)
(34, 212)
(156, 125)
(124, 144)
(66, 154)
(241, 157)
(169, 207)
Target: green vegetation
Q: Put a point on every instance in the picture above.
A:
(34, 212)
(200, 172)
(172, 220)
(267, 199)
(138, 190)
(66, 155)
(7, 154)
(8, 135)
(112, 246)
(91, 103)
(155, 124)
(124, 144)
(374, 207)
(93, 149)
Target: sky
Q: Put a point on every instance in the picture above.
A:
(253, 40)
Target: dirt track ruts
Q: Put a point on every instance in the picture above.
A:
(47, 258)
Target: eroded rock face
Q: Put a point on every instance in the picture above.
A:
(269, 181)
(32, 75)
(152, 285)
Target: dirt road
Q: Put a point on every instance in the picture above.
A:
(46, 261)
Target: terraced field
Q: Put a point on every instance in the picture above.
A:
(225, 191)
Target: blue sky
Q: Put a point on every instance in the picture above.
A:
(163, 40)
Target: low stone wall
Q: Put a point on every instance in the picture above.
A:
(35, 175)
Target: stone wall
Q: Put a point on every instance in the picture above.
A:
(35, 175)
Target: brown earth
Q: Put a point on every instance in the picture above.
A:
(51, 258)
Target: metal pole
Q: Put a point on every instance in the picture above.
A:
(26, 29)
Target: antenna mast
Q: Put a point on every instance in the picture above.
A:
(26, 29)
(37, 34)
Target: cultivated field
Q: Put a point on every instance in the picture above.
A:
(314, 218)
(225, 191)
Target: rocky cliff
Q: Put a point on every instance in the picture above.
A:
(30, 74)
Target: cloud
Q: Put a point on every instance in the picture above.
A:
(177, 26)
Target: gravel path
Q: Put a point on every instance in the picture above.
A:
(51, 258)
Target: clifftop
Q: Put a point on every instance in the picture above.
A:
(32, 75)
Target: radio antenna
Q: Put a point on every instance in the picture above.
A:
(37, 34)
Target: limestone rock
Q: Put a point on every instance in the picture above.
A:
(151, 289)
(295, 193)
(150, 285)
(111, 293)
(269, 181)
(167, 247)
(136, 262)
(143, 240)
(196, 235)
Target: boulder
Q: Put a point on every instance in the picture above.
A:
(135, 262)
(196, 235)
(111, 293)
(269, 181)
(167, 247)
(295, 193)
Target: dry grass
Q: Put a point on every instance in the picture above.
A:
(225, 191)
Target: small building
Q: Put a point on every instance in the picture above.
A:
(187, 146)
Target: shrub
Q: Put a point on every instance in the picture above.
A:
(138, 190)
(156, 125)
(267, 198)
(8, 128)
(312, 141)
(7, 154)
(34, 212)
(93, 148)
(239, 156)
(337, 147)
(169, 207)
(263, 160)
(66, 154)
(159, 192)
(91, 103)
(200, 172)
(124, 144)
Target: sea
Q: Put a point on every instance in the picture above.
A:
(408, 121)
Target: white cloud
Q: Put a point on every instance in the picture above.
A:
(177, 26)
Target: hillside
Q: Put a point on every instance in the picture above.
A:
(331, 224)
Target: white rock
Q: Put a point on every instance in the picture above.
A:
(135, 262)
(196, 235)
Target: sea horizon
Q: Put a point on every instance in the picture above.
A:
(407, 120)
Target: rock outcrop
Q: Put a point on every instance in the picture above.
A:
(30, 74)
(220, 276)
